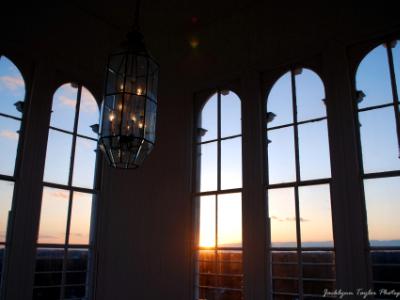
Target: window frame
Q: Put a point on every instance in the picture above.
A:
(200, 102)
(14, 178)
(71, 189)
(358, 54)
(296, 185)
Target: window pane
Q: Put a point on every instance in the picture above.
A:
(64, 104)
(315, 216)
(230, 115)
(53, 216)
(58, 157)
(208, 167)
(281, 159)
(88, 114)
(386, 265)
(6, 196)
(9, 136)
(310, 93)
(80, 218)
(49, 260)
(280, 101)
(282, 217)
(1, 260)
(209, 119)
(396, 64)
(380, 149)
(74, 292)
(231, 163)
(373, 78)
(77, 259)
(207, 221)
(46, 293)
(230, 220)
(12, 87)
(314, 151)
(382, 198)
(85, 163)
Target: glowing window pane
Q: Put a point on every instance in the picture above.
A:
(315, 216)
(209, 167)
(231, 163)
(53, 216)
(230, 220)
(209, 119)
(9, 135)
(280, 101)
(80, 218)
(380, 150)
(282, 217)
(6, 196)
(314, 151)
(84, 163)
(373, 78)
(310, 93)
(230, 115)
(88, 114)
(12, 87)
(281, 157)
(58, 157)
(382, 198)
(64, 104)
(207, 221)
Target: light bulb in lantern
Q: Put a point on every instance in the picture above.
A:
(133, 118)
(139, 91)
(111, 117)
(121, 87)
(141, 125)
(120, 106)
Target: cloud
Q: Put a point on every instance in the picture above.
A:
(9, 134)
(48, 237)
(292, 219)
(89, 145)
(89, 105)
(58, 194)
(67, 101)
(12, 83)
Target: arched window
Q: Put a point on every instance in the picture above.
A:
(377, 88)
(218, 197)
(298, 187)
(64, 238)
(12, 96)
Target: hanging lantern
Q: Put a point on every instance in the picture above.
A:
(128, 120)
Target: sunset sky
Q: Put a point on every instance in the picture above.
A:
(55, 201)
(380, 153)
(379, 144)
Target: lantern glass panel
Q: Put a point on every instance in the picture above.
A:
(150, 125)
(144, 150)
(111, 117)
(152, 81)
(136, 75)
(116, 74)
(133, 115)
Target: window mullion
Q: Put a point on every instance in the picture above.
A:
(394, 92)
(71, 166)
(296, 188)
